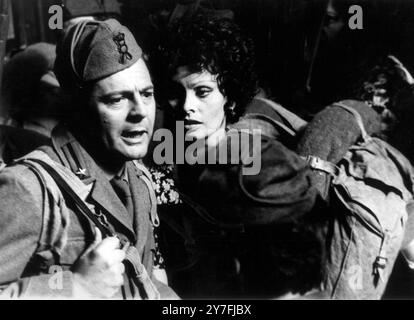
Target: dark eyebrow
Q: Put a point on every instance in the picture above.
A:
(124, 92)
(150, 87)
(107, 96)
(202, 83)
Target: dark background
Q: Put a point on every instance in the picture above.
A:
(285, 33)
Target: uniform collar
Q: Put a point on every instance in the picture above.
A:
(123, 174)
(102, 193)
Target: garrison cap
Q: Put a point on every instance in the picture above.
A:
(92, 50)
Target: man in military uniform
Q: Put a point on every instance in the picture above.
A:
(43, 230)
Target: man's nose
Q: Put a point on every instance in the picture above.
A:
(138, 109)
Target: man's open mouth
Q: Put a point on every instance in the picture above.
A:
(133, 136)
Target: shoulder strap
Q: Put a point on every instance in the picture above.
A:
(326, 166)
(62, 182)
(278, 124)
(296, 122)
(146, 177)
(203, 214)
(357, 117)
(133, 261)
(317, 163)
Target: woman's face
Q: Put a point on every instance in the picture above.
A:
(200, 101)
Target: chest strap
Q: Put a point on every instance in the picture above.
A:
(146, 177)
(133, 263)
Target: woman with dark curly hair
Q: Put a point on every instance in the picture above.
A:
(248, 234)
(217, 47)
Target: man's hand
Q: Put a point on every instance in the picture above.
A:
(99, 271)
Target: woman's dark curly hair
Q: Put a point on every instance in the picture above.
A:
(218, 46)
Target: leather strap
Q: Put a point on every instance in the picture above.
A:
(203, 214)
(140, 275)
(137, 270)
(259, 116)
(326, 166)
(106, 230)
(297, 123)
(322, 165)
(146, 177)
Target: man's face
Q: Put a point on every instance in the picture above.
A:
(125, 106)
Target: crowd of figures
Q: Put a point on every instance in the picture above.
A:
(329, 215)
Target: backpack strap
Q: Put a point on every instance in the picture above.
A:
(146, 177)
(357, 116)
(132, 259)
(296, 122)
(317, 163)
(289, 124)
(62, 182)
(262, 117)
(206, 216)
(329, 167)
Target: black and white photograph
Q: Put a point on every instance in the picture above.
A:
(217, 151)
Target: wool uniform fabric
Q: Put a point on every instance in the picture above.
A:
(332, 132)
(93, 50)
